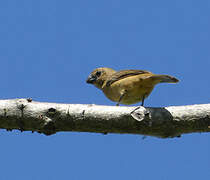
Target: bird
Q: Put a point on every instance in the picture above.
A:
(127, 86)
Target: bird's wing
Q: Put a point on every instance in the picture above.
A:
(124, 74)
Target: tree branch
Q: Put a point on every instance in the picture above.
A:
(49, 118)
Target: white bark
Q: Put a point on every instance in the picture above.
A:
(49, 118)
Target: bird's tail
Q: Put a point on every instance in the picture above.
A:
(165, 79)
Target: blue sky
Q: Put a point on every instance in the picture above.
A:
(47, 50)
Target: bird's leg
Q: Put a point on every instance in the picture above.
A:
(142, 102)
(118, 103)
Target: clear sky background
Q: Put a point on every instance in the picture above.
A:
(49, 47)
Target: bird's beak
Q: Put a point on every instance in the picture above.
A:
(91, 79)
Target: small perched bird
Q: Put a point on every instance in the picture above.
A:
(127, 86)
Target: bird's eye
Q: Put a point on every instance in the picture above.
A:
(98, 73)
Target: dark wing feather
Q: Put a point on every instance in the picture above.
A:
(123, 74)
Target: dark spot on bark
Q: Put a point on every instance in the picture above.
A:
(21, 107)
(52, 110)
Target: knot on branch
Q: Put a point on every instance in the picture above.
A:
(29, 100)
(48, 126)
(49, 119)
(141, 113)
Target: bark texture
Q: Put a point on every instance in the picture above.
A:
(49, 118)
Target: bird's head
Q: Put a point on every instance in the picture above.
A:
(98, 76)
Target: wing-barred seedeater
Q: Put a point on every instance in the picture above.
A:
(127, 86)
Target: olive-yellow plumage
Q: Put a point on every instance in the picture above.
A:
(127, 86)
